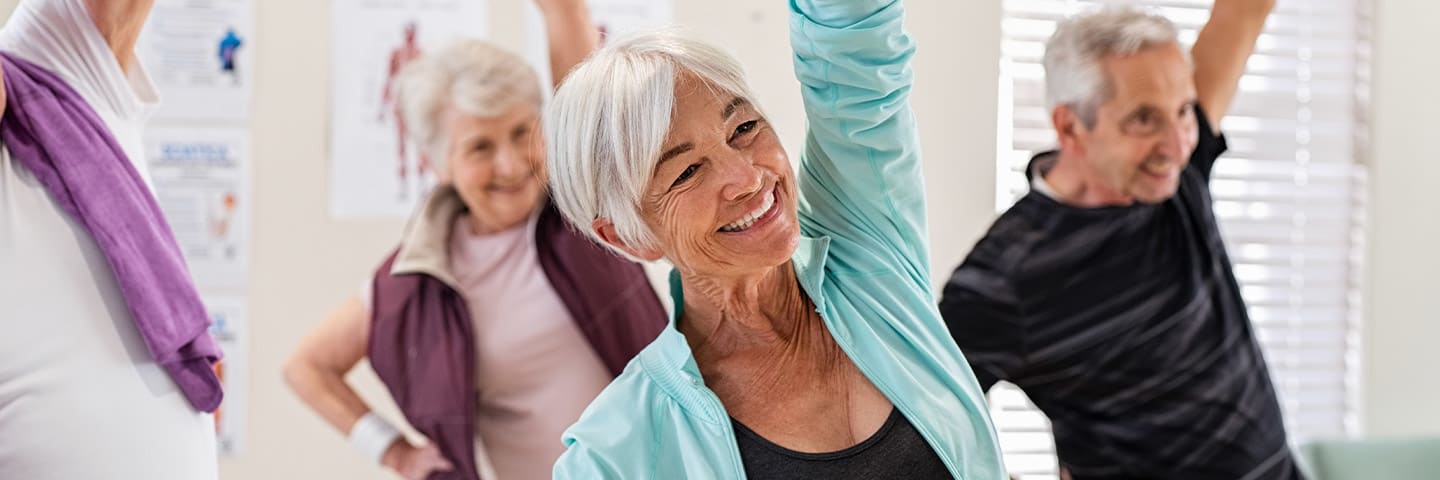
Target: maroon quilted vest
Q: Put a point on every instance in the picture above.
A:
(422, 344)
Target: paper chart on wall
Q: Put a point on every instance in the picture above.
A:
(374, 174)
(230, 328)
(201, 178)
(199, 55)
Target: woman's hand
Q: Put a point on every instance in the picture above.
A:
(414, 463)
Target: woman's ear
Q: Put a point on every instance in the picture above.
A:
(606, 230)
(441, 172)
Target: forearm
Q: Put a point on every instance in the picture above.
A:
(856, 79)
(325, 391)
(862, 148)
(316, 370)
(1222, 49)
(1254, 10)
(1236, 24)
(571, 33)
(120, 22)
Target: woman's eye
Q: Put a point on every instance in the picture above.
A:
(685, 175)
(743, 129)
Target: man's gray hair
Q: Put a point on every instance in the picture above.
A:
(471, 76)
(607, 123)
(1074, 75)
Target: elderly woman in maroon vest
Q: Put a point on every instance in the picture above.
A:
(493, 324)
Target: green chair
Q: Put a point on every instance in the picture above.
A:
(1377, 459)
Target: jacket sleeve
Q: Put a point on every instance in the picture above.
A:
(860, 177)
(581, 463)
(614, 438)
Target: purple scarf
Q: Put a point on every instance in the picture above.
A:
(52, 132)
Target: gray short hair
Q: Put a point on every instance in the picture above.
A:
(606, 125)
(472, 76)
(1073, 73)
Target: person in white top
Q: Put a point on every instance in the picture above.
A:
(80, 397)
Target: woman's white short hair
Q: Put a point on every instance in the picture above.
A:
(472, 76)
(1073, 72)
(606, 125)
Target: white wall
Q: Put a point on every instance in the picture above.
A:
(1402, 329)
(305, 262)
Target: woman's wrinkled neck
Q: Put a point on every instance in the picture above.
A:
(726, 314)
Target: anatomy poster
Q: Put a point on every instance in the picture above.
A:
(229, 327)
(612, 18)
(201, 178)
(374, 174)
(199, 55)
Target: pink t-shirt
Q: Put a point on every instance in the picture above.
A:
(537, 372)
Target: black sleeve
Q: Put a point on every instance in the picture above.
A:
(981, 309)
(1210, 146)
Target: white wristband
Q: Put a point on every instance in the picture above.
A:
(372, 435)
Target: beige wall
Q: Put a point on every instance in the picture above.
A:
(305, 262)
(1402, 329)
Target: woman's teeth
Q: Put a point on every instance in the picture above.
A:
(749, 219)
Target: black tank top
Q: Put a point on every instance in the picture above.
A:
(895, 451)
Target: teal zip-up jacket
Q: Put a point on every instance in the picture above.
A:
(863, 260)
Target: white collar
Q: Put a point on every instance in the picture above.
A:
(60, 36)
(1038, 183)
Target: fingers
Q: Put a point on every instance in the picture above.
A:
(433, 461)
(418, 463)
(442, 465)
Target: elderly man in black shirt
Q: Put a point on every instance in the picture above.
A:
(1106, 293)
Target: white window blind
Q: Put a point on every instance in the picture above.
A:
(1289, 196)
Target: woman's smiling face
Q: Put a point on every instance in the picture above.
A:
(722, 197)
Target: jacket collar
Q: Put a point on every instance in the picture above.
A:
(424, 249)
(425, 246)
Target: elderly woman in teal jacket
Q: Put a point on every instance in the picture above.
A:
(805, 341)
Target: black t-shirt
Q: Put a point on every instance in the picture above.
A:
(1126, 327)
(895, 451)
